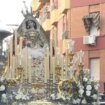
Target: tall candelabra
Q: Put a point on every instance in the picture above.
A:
(66, 68)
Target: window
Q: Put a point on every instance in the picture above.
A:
(95, 68)
(92, 23)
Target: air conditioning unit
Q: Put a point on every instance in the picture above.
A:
(90, 40)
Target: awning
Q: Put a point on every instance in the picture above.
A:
(93, 18)
(4, 34)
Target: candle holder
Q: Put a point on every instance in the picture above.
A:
(48, 87)
(57, 73)
(55, 88)
(70, 58)
(37, 87)
(46, 90)
(19, 72)
(80, 67)
(81, 73)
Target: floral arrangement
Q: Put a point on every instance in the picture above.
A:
(79, 91)
(3, 97)
(22, 95)
(87, 90)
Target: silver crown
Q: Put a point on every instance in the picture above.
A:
(27, 12)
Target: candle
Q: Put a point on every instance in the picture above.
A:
(20, 58)
(58, 59)
(58, 56)
(47, 63)
(53, 62)
(64, 46)
(65, 68)
(71, 45)
(62, 66)
(15, 33)
(29, 69)
(21, 40)
(81, 54)
(45, 67)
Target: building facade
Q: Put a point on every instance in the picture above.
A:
(83, 21)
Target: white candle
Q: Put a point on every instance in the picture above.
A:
(65, 69)
(58, 59)
(21, 42)
(81, 54)
(45, 68)
(58, 56)
(15, 42)
(53, 62)
(29, 69)
(64, 46)
(20, 58)
(62, 66)
(71, 45)
(47, 63)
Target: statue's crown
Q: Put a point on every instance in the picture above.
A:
(27, 12)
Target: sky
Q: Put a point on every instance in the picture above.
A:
(10, 11)
(10, 14)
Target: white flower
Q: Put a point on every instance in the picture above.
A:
(4, 95)
(84, 101)
(78, 100)
(2, 79)
(27, 97)
(18, 97)
(2, 88)
(88, 93)
(85, 79)
(74, 101)
(94, 103)
(96, 87)
(81, 91)
(53, 96)
(94, 96)
(88, 87)
(24, 98)
(4, 98)
(59, 96)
